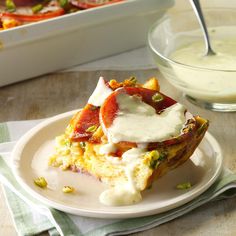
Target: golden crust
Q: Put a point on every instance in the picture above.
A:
(181, 152)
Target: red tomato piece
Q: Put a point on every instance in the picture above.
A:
(33, 17)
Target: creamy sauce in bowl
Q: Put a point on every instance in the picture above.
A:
(211, 78)
(193, 55)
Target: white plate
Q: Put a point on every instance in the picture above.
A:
(30, 158)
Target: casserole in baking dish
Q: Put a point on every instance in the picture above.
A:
(61, 42)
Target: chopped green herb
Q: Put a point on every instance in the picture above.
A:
(157, 158)
(201, 128)
(154, 162)
(69, 129)
(41, 182)
(37, 8)
(10, 5)
(157, 97)
(67, 142)
(82, 145)
(184, 186)
(133, 80)
(163, 156)
(63, 3)
(91, 129)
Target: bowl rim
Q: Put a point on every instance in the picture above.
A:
(167, 16)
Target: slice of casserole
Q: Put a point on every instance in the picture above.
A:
(128, 135)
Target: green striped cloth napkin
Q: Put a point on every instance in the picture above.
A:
(32, 217)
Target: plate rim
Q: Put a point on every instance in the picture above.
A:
(22, 142)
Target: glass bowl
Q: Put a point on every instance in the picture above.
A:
(213, 89)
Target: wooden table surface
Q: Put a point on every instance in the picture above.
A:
(56, 93)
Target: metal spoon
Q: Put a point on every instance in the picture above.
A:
(198, 12)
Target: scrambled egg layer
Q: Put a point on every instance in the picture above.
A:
(85, 157)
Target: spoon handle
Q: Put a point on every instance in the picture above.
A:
(198, 11)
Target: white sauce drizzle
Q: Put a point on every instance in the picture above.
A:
(125, 193)
(100, 93)
(138, 122)
(131, 159)
(107, 148)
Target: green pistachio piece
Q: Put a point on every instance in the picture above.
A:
(10, 5)
(91, 129)
(63, 3)
(157, 97)
(133, 80)
(41, 182)
(154, 156)
(37, 8)
(82, 145)
(68, 189)
(184, 186)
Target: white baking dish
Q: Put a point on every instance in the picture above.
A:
(39, 48)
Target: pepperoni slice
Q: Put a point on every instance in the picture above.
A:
(84, 123)
(110, 107)
(89, 117)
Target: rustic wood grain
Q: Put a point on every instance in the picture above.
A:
(52, 94)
